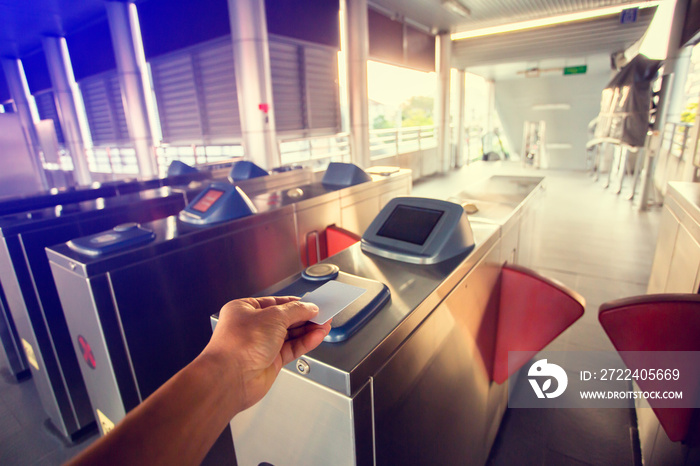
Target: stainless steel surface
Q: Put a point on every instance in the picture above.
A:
(415, 289)
(420, 369)
(113, 301)
(65, 88)
(276, 181)
(302, 366)
(424, 362)
(131, 67)
(34, 301)
(16, 358)
(320, 419)
(508, 201)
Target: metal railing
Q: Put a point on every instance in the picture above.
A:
(195, 155)
(395, 141)
(315, 151)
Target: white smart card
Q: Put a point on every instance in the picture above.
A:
(331, 298)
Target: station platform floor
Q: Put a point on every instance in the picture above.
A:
(588, 238)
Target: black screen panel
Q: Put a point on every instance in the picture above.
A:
(410, 224)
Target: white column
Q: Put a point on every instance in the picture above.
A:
(444, 56)
(19, 90)
(491, 116)
(357, 54)
(251, 59)
(131, 68)
(461, 83)
(65, 90)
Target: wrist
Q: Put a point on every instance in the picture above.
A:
(224, 375)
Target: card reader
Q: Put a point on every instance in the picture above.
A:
(419, 231)
(219, 202)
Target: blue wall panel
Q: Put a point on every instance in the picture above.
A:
(91, 50)
(311, 20)
(37, 72)
(4, 90)
(172, 25)
(169, 25)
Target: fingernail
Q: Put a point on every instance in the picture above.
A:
(313, 307)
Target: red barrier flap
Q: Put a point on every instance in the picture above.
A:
(533, 310)
(665, 322)
(338, 239)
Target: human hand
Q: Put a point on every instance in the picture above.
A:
(255, 337)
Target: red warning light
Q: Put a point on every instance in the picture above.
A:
(87, 352)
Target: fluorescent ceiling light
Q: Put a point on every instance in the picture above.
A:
(552, 20)
(455, 6)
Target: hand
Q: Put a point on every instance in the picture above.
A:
(255, 337)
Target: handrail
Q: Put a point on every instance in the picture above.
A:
(315, 150)
(394, 141)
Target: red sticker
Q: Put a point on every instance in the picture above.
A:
(87, 352)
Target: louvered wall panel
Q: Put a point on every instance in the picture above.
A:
(104, 109)
(321, 71)
(176, 95)
(287, 88)
(217, 85)
(118, 105)
(197, 100)
(46, 106)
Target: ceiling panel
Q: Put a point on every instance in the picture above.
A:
(601, 35)
(24, 22)
(485, 13)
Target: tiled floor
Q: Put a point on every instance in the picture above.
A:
(588, 238)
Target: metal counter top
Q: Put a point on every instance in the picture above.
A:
(688, 197)
(415, 291)
(171, 234)
(498, 198)
(14, 204)
(51, 216)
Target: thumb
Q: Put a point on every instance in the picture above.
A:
(297, 312)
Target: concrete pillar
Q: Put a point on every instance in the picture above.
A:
(357, 54)
(19, 90)
(131, 67)
(65, 90)
(442, 107)
(251, 59)
(461, 83)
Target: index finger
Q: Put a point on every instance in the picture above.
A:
(267, 301)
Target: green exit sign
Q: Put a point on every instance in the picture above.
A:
(581, 69)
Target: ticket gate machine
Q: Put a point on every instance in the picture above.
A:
(421, 380)
(33, 300)
(129, 305)
(12, 205)
(178, 174)
(362, 399)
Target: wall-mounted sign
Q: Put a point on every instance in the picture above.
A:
(628, 16)
(580, 69)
